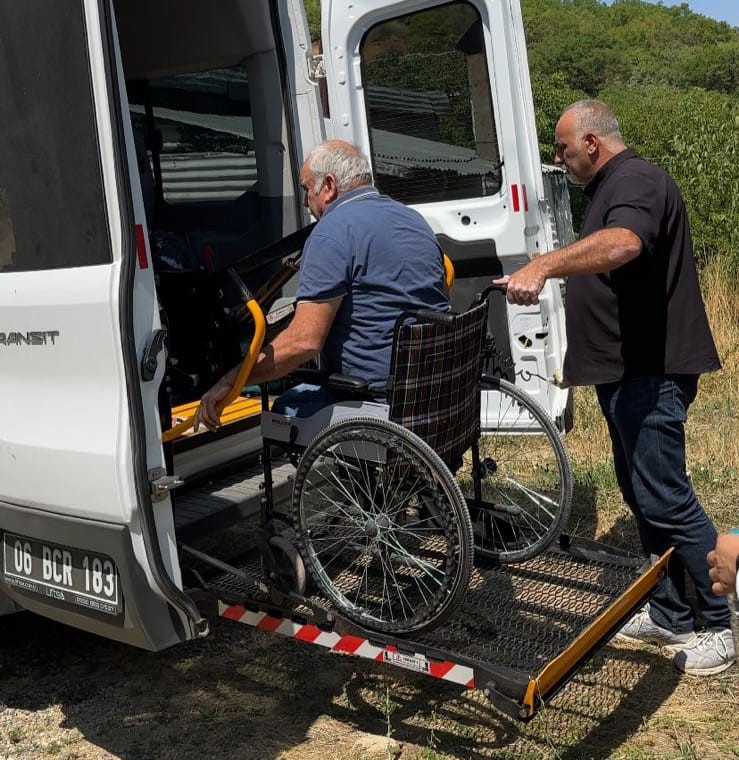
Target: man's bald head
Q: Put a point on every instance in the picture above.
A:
(596, 117)
(586, 137)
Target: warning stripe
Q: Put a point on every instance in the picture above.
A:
(354, 645)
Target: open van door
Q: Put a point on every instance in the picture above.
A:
(438, 95)
(82, 541)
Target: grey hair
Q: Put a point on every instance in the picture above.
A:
(596, 117)
(345, 161)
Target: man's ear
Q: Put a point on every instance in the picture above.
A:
(591, 143)
(329, 185)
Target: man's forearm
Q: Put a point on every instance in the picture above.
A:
(278, 359)
(300, 342)
(597, 253)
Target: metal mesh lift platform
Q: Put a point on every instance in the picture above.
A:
(521, 633)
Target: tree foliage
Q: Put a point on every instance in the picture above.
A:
(630, 42)
(671, 77)
(313, 11)
(694, 135)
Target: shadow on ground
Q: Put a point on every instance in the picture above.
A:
(246, 694)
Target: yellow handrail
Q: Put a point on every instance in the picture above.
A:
(448, 272)
(244, 371)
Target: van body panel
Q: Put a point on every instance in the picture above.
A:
(146, 620)
(68, 447)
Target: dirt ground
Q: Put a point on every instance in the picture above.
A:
(242, 693)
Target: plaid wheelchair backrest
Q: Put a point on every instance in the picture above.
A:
(434, 388)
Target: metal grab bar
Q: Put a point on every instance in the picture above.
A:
(245, 369)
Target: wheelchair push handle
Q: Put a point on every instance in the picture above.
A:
(443, 318)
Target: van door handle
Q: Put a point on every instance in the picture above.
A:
(150, 361)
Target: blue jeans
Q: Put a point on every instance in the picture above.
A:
(646, 420)
(303, 400)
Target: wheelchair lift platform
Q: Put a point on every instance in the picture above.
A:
(521, 633)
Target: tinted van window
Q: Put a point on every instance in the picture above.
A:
(201, 125)
(429, 106)
(52, 211)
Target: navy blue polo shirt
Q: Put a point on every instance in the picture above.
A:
(382, 258)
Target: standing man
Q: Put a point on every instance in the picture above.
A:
(369, 259)
(637, 330)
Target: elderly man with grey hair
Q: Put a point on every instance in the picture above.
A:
(368, 259)
(637, 330)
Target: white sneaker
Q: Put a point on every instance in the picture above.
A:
(709, 653)
(641, 628)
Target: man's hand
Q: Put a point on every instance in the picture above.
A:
(208, 413)
(722, 564)
(523, 287)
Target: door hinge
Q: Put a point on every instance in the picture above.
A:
(161, 484)
(316, 67)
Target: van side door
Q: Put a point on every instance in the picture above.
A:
(77, 525)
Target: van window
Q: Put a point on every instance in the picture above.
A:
(52, 206)
(429, 106)
(201, 126)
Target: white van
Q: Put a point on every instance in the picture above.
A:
(146, 146)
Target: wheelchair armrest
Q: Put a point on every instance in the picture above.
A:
(309, 375)
(333, 381)
(437, 317)
(346, 383)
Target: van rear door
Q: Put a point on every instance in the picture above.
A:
(77, 305)
(438, 94)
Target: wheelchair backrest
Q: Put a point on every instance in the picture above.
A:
(434, 388)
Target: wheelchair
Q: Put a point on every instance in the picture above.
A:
(395, 494)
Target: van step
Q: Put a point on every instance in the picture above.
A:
(226, 500)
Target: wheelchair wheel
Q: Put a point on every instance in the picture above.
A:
(519, 490)
(382, 526)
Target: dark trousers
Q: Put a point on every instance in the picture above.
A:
(646, 420)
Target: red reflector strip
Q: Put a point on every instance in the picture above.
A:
(234, 613)
(354, 645)
(514, 198)
(440, 669)
(269, 623)
(141, 247)
(308, 633)
(525, 198)
(348, 644)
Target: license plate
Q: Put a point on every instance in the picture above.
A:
(85, 579)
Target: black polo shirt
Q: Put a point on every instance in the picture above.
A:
(647, 316)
